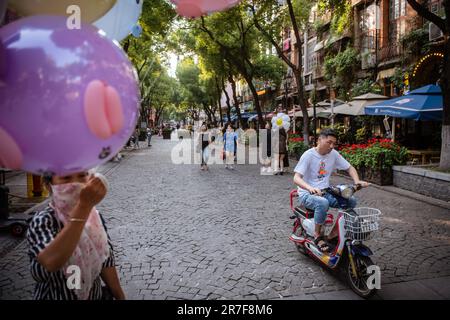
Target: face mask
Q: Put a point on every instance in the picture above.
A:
(66, 196)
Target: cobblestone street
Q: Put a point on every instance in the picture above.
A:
(181, 233)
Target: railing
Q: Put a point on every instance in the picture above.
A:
(389, 52)
(368, 42)
(318, 72)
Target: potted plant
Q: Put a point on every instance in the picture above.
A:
(374, 159)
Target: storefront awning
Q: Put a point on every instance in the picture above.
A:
(385, 74)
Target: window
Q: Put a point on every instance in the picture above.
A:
(397, 9)
(310, 58)
(397, 26)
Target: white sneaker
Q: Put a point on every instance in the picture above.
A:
(269, 170)
(263, 170)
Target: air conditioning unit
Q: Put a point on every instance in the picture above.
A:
(434, 32)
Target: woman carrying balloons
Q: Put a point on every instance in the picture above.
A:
(69, 248)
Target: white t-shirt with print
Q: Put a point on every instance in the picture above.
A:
(316, 169)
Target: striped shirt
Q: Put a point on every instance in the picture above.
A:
(53, 285)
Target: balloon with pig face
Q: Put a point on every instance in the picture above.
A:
(68, 98)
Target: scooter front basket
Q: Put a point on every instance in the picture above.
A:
(361, 223)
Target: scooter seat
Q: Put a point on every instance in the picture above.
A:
(305, 212)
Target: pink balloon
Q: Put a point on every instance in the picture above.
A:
(10, 155)
(196, 8)
(214, 5)
(189, 9)
(69, 99)
(114, 111)
(103, 109)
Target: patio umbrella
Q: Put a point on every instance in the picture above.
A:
(320, 112)
(327, 103)
(357, 105)
(424, 103)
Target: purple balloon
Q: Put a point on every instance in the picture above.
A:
(69, 99)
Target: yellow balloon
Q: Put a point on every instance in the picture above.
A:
(91, 10)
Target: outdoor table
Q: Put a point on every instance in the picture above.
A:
(424, 154)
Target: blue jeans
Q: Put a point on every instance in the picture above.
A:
(320, 205)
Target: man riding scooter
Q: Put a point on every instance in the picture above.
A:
(312, 174)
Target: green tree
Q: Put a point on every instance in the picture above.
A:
(270, 18)
(231, 34)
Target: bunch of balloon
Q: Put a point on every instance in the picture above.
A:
(115, 17)
(69, 97)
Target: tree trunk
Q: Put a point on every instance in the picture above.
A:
(220, 114)
(445, 148)
(298, 73)
(219, 94)
(208, 112)
(213, 112)
(236, 101)
(228, 100)
(303, 105)
(445, 87)
(256, 100)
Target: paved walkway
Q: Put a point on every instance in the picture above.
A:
(181, 233)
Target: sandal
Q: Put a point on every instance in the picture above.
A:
(323, 246)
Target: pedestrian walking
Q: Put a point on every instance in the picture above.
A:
(204, 141)
(149, 136)
(136, 138)
(70, 235)
(267, 150)
(230, 145)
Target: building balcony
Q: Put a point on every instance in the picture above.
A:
(390, 52)
(318, 72)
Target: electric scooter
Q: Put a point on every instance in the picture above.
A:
(354, 226)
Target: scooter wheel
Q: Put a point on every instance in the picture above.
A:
(359, 285)
(18, 230)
